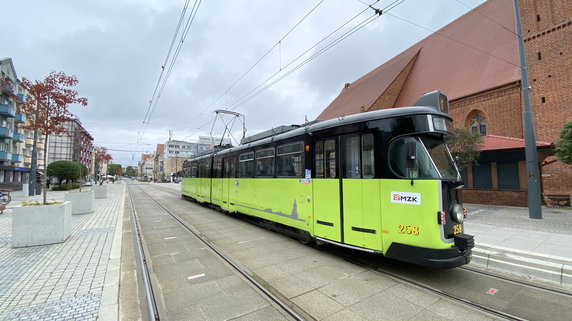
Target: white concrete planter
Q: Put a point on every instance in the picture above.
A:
(25, 189)
(100, 191)
(82, 202)
(40, 225)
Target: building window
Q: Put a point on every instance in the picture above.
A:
(482, 176)
(507, 173)
(479, 125)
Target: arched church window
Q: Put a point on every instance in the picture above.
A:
(479, 125)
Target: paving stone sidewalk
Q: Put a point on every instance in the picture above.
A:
(62, 281)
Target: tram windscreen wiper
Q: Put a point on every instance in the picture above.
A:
(441, 157)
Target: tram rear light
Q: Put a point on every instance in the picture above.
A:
(465, 213)
(307, 148)
(442, 217)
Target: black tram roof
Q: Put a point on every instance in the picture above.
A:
(336, 122)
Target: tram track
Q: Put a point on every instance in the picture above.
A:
(253, 280)
(517, 281)
(468, 286)
(152, 311)
(414, 275)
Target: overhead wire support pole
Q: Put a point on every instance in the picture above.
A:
(533, 178)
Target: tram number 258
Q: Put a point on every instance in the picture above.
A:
(408, 229)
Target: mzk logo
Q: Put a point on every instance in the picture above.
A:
(406, 198)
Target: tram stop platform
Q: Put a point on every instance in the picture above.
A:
(79, 279)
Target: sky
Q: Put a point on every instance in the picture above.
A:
(262, 59)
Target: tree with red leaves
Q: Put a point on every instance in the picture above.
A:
(101, 157)
(47, 110)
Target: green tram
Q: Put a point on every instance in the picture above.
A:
(381, 181)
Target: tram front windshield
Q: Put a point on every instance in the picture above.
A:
(432, 159)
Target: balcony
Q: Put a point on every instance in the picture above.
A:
(5, 156)
(7, 87)
(27, 160)
(7, 110)
(19, 138)
(21, 98)
(29, 141)
(5, 132)
(17, 158)
(20, 118)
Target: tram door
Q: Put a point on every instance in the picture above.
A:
(326, 190)
(217, 183)
(227, 181)
(361, 200)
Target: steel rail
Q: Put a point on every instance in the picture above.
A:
(239, 268)
(441, 293)
(516, 281)
(152, 310)
(434, 290)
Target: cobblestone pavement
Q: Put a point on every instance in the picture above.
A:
(61, 281)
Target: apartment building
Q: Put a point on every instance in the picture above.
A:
(76, 145)
(15, 142)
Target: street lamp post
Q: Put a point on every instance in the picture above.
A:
(34, 165)
(533, 178)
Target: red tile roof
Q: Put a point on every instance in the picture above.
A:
(493, 142)
(470, 55)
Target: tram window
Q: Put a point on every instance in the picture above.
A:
(246, 165)
(227, 167)
(352, 161)
(290, 160)
(265, 162)
(194, 171)
(319, 159)
(330, 149)
(423, 167)
(204, 169)
(218, 168)
(367, 156)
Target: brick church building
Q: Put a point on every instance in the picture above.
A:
(474, 59)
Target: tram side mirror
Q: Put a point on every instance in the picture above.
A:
(411, 148)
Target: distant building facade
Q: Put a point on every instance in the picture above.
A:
(75, 145)
(177, 151)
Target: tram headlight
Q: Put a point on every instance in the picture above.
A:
(457, 213)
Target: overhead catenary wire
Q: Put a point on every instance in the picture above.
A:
(278, 43)
(453, 39)
(163, 80)
(486, 17)
(255, 91)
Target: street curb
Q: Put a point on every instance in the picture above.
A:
(553, 269)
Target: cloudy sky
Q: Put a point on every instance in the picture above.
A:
(117, 50)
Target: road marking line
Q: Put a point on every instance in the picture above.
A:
(196, 276)
(170, 237)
